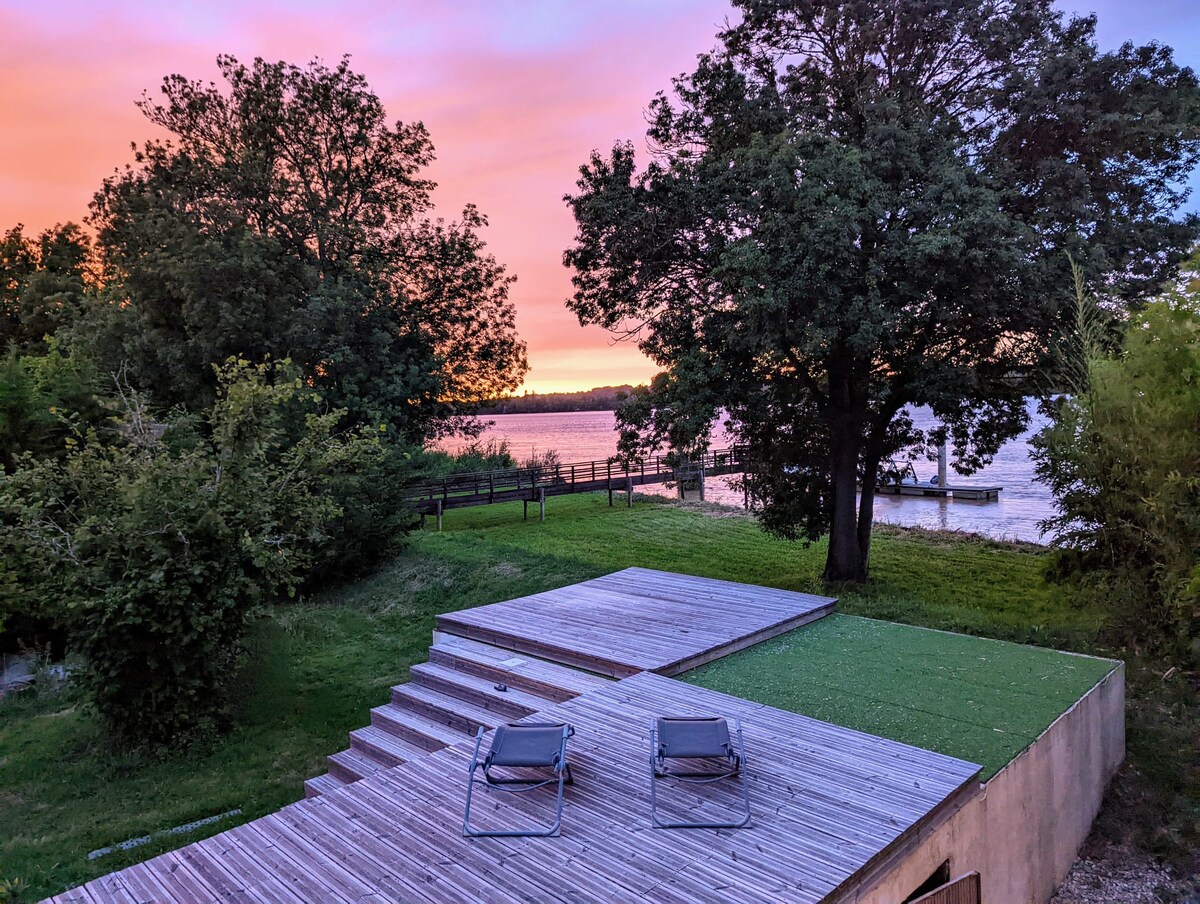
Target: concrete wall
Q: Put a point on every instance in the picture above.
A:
(1023, 830)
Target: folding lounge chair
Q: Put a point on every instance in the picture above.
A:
(535, 746)
(692, 739)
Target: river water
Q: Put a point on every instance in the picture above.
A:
(587, 435)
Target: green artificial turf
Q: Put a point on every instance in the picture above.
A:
(976, 699)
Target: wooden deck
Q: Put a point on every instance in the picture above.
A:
(617, 625)
(829, 805)
(638, 620)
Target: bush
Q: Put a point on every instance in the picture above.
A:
(47, 403)
(161, 547)
(367, 482)
(484, 455)
(1122, 455)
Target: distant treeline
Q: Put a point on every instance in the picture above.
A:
(602, 398)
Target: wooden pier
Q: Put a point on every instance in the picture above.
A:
(831, 807)
(468, 488)
(534, 485)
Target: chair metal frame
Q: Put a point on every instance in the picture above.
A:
(735, 760)
(561, 775)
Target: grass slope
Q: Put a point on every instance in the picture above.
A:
(983, 701)
(320, 664)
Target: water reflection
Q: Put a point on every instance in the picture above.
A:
(587, 435)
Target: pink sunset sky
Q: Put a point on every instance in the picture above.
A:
(516, 93)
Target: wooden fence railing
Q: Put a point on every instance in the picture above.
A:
(585, 476)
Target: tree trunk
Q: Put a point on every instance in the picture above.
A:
(845, 561)
(866, 507)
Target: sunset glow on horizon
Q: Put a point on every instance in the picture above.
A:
(515, 96)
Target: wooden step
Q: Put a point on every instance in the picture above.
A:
(383, 746)
(352, 765)
(509, 638)
(517, 670)
(449, 713)
(410, 724)
(322, 784)
(512, 703)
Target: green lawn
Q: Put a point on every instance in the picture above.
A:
(980, 700)
(321, 664)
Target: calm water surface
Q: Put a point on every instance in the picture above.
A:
(588, 435)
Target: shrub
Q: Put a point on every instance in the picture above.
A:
(12, 890)
(1122, 455)
(47, 403)
(484, 455)
(367, 480)
(161, 547)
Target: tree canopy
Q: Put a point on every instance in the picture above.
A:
(286, 218)
(43, 282)
(851, 208)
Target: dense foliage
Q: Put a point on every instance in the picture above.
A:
(43, 284)
(46, 401)
(602, 398)
(856, 207)
(157, 549)
(287, 218)
(1122, 455)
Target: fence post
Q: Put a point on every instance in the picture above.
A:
(439, 514)
(542, 501)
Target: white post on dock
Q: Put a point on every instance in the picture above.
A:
(942, 466)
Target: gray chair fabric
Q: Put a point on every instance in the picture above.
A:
(528, 746)
(695, 738)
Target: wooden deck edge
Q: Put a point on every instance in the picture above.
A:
(550, 652)
(712, 655)
(903, 846)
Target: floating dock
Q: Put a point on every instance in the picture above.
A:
(972, 494)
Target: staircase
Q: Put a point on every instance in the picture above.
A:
(445, 702)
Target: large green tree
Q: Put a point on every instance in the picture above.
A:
(287, 218)
(853, 207)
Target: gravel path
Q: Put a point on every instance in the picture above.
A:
(1117, 876)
